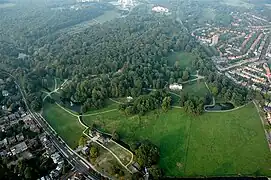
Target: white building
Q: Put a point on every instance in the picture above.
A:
(160, 9)
(175, 86)
(5, 93)
(129, 99)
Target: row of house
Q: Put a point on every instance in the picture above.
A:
(55, 156)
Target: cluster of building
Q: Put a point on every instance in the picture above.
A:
(245, 55)
(242, 56)
(54, 155)
(21, 146)
(254, 76)
(13, 144)
(207, 36)
(160, 9)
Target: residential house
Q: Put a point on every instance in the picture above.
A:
(56, 157)
(21, 147)
(3, 143)
(12, 140)
(20, 137)
(12, 117)
(85, 150)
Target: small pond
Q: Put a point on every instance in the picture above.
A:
(220, 107)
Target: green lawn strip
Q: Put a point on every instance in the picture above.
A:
(220, 143)
(66, 125)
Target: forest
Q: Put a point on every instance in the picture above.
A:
(115, 59)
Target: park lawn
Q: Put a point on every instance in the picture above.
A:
(169, 131)
(228, 144)
(66, 125)
(183, 59)
(214, 144)
(196, 88)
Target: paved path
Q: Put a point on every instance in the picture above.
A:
(198, 78)
(118, 102)
(71, 113)
(55, 90)
(98, 113)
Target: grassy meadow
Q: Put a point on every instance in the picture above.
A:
(214, 144)
(66, 125)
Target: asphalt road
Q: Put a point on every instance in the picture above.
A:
(61, 146)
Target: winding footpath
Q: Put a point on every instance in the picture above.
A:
(48, 94)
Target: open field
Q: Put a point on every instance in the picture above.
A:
(196, 88)
(66, 125)
(107, 16)
(180, 59)
(214, 144)
(228, 143)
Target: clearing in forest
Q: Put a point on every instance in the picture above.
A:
(181, 59)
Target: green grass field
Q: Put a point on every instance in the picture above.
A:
(196, 88)
(181, 59)
(214, 144)
(66, 125)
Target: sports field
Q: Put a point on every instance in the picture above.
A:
(214, 144)
(66, 125)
